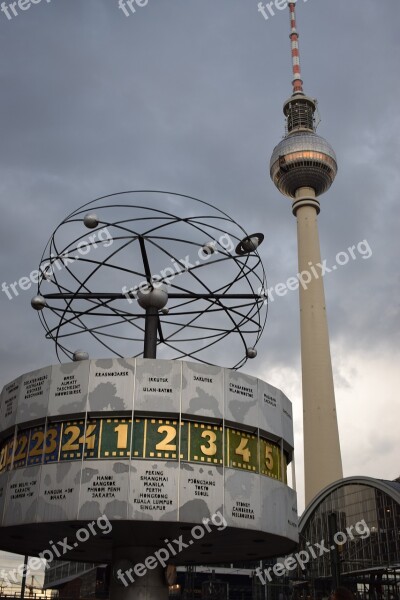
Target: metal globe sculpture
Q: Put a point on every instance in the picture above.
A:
(192, 276)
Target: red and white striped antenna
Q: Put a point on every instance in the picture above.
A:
(294, 37)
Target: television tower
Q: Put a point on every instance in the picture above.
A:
(303, 166)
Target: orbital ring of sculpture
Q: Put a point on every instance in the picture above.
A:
(199, 275)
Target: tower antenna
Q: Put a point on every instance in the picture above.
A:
(294, 38)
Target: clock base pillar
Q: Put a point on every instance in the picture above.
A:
(132, 580)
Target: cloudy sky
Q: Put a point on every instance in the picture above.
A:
(187, 96)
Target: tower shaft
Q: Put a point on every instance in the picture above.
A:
(303, 166)
(322, 457)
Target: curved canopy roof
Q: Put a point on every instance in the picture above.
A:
(391, 488)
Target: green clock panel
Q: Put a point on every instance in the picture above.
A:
(116, 437)
(206, 443)
(92, 438)
(270, 459)
(138, 438)
(161, 439)
(72, 440)
(241, 450)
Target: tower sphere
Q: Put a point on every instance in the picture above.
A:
(303, 160)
